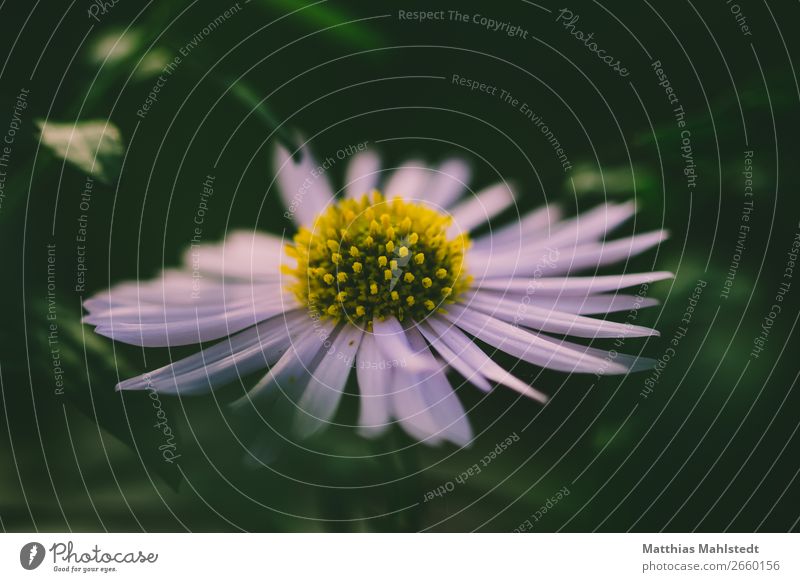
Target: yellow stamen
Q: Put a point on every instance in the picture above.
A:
(358, 242)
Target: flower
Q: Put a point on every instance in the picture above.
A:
(390, 283)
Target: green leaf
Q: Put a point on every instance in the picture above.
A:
(92, 367)
(251, 100)
(94, 147)
(324, 16)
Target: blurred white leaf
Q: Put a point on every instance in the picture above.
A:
(114, 46)
(153, 63)
(95, 147)
(611, 181)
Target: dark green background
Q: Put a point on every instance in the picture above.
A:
(713, 448)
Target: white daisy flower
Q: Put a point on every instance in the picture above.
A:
(388, 282)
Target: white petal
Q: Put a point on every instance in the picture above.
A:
(244, 254)
(573, 286)
(536, 349)
(193, 329)
(215, 366)
(425, 404)
(374, 379)
(177, 288)
(291, 373)
(455, 339)
(150, 313)
(363, 173)
(410, 409)
(477, 210)
(304, 195)
(585, 228)
(552, 321)
(321, 396)
(408, 181)
(601, 254)
(584, 305)
(533, 226)
(440, 396)
(461, 365)
(447, 184)
(391, 340)
(597, 304)
(590, 226)
(552, 261)
(101, 313)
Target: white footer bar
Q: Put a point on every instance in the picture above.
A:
(400, 557)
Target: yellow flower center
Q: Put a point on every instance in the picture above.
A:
(371, 258)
